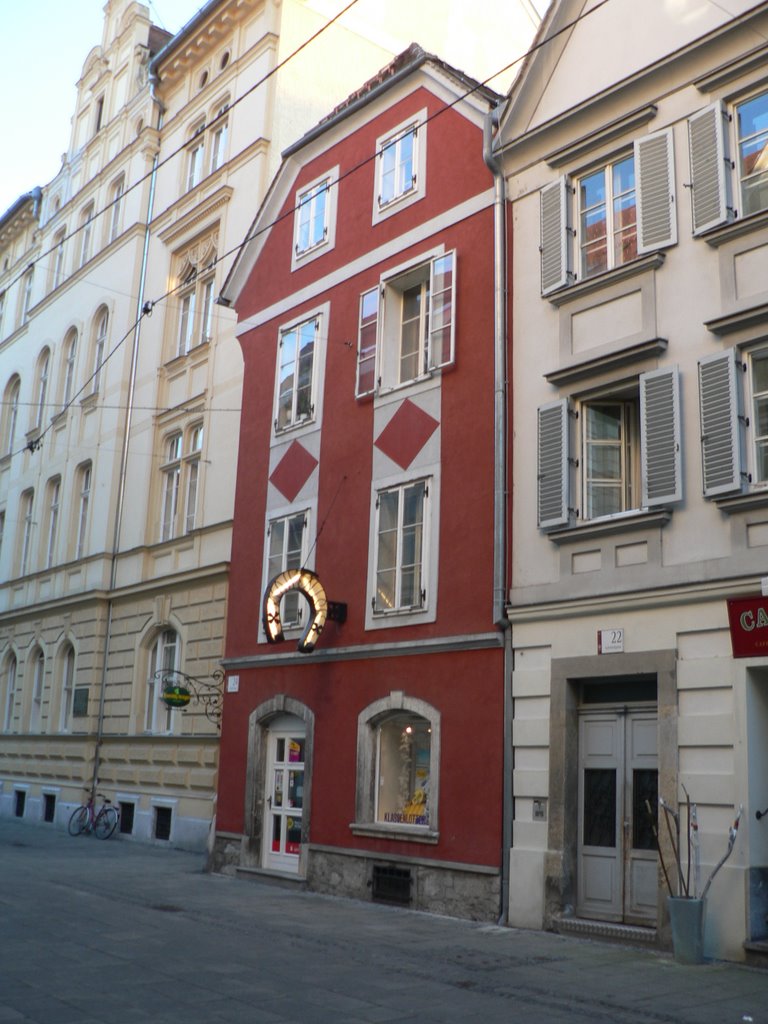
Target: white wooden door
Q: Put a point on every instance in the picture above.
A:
(618, 780)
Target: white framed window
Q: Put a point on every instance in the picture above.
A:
(43, 366)
(621, 445)
(54, 501)
(196, 299)
(99, 349)
(58, 258)
(67, 668)
(27, 529)
(196, 156)
(116, 199)
(171, 475)
(401, 167)
(70, 359)
(187, 314)
(219, 132)
(406, 329)
(287, 549)
(714, 132)
(607, 217)
(622, 209)
(164, 656)
(181, 481)
(38, 679)
(11, 668)
(11, 413)
(400, 570)
(314, 230)
(83, 503)
(26, 295)
(2, 310)
(296, 355)
(398, 757)
(2, 530)
(86, 233)
(193, 460)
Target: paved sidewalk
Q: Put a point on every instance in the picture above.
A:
(118, 933)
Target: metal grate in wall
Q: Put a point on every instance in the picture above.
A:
(390, 884)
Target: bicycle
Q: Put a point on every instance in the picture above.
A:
(87, 819)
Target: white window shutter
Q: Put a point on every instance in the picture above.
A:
(719, 408)
(655, 170)
(555, 235)
(660, 437)
(553, 474)
(710, 168)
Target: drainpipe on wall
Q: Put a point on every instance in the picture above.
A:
(500, 495)
(126, 441)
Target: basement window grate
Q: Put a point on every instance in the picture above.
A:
(49, 807)
(390, 884)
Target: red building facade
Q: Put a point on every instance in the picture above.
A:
(372, 764)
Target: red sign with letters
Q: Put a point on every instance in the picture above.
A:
(748, 621)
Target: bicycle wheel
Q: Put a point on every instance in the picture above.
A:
(78, 821)
(106, 822)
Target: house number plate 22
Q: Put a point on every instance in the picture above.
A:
(610, 641)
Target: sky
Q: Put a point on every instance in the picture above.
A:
(43, 46)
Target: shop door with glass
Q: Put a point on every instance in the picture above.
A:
(618, 782)
(284, 797)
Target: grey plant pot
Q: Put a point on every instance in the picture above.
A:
(687, 919)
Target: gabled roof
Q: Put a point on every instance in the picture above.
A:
(402, 67)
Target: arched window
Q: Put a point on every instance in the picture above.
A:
(67, 686)
(27, 524)
(43, 366)
(58, 259)
(10, 413)
(116, 198)
(70, 356)
(10, 692)
(52, 513)
(219, 125)
(86, 232)
(398, 741)
(164, 656)
(37, 665)
(99, 348)
(83, 503)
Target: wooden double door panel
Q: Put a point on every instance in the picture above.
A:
(617, 871)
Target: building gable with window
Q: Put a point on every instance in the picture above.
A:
(365, 308)
(639, 274)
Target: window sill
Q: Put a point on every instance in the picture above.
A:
(739, 320)
(403, 833)
(735, 229)
(641, 265)
(610, 361)
(635, 520)
(744, 502)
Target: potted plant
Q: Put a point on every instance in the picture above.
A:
(686, 905)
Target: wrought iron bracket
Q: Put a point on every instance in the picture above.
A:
(178, 689)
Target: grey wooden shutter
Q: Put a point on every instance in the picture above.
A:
(552, 464)
(710, 168)
(660, 437)
(719, 407)
(555, 237)
(655, 171)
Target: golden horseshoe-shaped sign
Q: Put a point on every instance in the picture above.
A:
(310, 586)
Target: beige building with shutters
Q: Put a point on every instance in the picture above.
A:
(640, 505)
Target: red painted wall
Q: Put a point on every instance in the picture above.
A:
(465, 686)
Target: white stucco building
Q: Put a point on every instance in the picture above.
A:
(635, 145)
